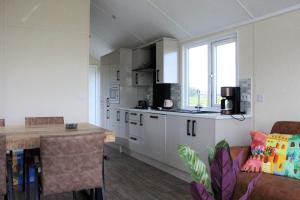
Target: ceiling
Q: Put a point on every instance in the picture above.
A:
(128, 23)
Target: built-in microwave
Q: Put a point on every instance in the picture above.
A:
(114, 93)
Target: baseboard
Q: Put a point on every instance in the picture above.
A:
(166, 168)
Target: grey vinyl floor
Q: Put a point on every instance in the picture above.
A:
(127, 178)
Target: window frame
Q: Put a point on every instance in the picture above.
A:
(211, 43)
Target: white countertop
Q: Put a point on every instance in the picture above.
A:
(216, 116)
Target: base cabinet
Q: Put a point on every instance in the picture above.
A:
(154, 136)
(194, 132)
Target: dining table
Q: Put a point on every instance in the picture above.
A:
(28, 137)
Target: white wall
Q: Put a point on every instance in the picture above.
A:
(277, 70)
(269, 52)
(44, 59)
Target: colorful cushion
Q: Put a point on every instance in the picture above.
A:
(275, 153)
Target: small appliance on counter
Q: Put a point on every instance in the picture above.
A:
(231, 100)
(168, 104)
(142, 104)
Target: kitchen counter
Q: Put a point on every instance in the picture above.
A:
(216, 116)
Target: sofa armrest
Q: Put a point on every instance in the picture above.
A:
(234, 151)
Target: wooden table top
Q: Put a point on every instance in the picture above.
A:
(21, 137)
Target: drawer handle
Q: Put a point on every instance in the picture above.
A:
(118, 75)
(126, 117)
(188, 127)
(193, 128)
(135, 114)
(141, 120)
(153, 117)
(134, 123)
(118, 116)
(133, 138)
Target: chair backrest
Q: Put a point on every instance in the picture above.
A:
(286, 127)
(30, 121)
(2, 122)
(71, 163)
(2, 165)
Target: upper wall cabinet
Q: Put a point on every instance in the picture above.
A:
(167, 61)
(120, 64)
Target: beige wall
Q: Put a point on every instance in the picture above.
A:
(269, 53)
(44, 53)
(245, 47)
(277, 70)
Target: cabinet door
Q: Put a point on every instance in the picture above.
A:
(104, 78)
(142, 78)
(154, 136)
(178, 131)
(203, 134)
(115, 121)
(108, 121)
(123, 123)
(167, 61)
(115, 75)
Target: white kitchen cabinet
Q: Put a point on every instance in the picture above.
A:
(167, 61)
(154, 136)
(107, 119)
(142, 78)
(135, 133)
(120, 64)
(198, 133)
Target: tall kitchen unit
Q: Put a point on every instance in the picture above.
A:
(116, 88)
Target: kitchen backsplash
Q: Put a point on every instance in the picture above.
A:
(176, 95)
(145, 93)
(246, 95)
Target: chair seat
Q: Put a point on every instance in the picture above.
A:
(268, 187)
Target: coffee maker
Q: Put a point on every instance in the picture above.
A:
(231, 100)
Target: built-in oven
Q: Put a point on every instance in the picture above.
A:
(114, 94)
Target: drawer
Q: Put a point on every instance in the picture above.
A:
(134, 116)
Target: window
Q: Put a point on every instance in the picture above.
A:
(208, 67)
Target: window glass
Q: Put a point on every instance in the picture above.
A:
(198, 76)
(209, 67)
(225, 67)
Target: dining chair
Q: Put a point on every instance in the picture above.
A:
(30, 154)
(71, 163)
(6, 179)
(2, 122)
(31, 121)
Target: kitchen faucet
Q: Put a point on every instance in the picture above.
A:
(198, 107)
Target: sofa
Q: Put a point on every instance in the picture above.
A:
(269, 186)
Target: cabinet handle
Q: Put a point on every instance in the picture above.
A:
(107, 102)
(133, 138)
(193, 128)
(133, 123)
(188, 127)
(141, 119)
(126, 117)
(118, 75)
(153, 117)
(118, 116)
(137, 78)
(107, 114)
(157, 75)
